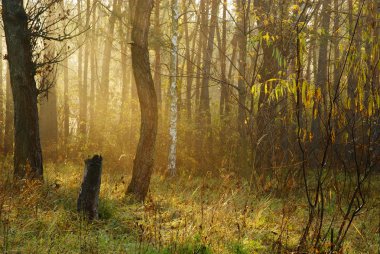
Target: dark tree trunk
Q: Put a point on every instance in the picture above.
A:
(144, 160)
(203, 12)
(66, 108)
(82, 119)
(189, 64)
(224, 106)
(242, 87)
(84, 100)
(27, 151)
(88, 199)
(321, 78)
(204, 118)
(103, 96)
(93, 67)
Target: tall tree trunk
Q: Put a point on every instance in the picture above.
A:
(66, 108)
(157, 62)
(189, 64)
(242, 88)
(124, 74)
(172, 167)
(356, 54)
(1, 97)
(321, 78)
(203, 13)
(94, 76)
(125, 83)
(27, 151)
(224, 106)
(82, 120)
(204, 122)
(144, 160)
(83, 106)
(103, 96)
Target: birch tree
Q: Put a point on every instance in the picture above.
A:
(173, 90)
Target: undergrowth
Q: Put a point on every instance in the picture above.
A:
(181, 215)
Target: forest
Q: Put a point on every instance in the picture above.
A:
(190, 126)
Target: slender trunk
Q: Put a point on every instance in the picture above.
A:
(157, 62)
(321, 76)
(94, 76)
(204, 121)
(124, 75)
(81, 120)
(103, 96)
(144, 160)
(83, 106)
(203, 13)
(242, 88)
(172, 167)
(224, 96)
(66, 107)
(189, 64)
(1, 97)
(27, 150)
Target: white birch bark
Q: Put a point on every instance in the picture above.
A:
(172, 167)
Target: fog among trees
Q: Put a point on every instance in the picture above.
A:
(203, 126)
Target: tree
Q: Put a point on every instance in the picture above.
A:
(1, 97)
(173, 90)
(242, 7)
(144, 160)
(27, 150)
(104, 93)
(321, 78)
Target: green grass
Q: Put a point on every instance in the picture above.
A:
(182, 215)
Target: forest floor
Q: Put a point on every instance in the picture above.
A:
(182, 215)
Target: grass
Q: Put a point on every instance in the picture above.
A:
(182, 215)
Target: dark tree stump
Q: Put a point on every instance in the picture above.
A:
(88, 199)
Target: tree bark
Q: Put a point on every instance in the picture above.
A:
(82, 120)
(172, 167)
(157, 62)
(93, 67)
(242, 87)
(103, 96)
(27, 151)
(144, 160)
(204, 117)
(189, 64)
(321, 78)
(83, 106)
(66, 108)
(1, 97)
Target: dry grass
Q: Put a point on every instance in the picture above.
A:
(182, 215)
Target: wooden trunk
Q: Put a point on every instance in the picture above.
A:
(88, 199)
